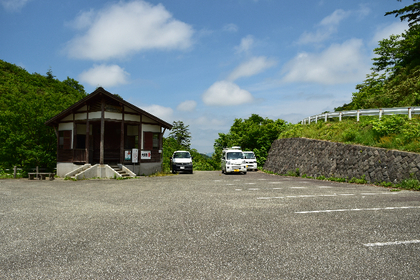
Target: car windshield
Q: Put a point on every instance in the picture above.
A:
(234, 155)
(249, 155)
(182, 155)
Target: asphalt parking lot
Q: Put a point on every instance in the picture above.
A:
(207, 226)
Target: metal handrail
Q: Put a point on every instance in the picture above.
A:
(363, 112)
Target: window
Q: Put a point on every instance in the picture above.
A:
(151, 140)
(234, 155)
(131, 137)
(64, 139)
(81, 141)
(155, 140)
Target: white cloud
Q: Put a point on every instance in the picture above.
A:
(164, 113)
(187, 106)
(252, 67)
(83, 20)
(246, 44)
(206, 123)
(125, 28)
(364, 11)
(326, 28)
(13, 5)
(224, 93)
(338, 64)
(335, 18)
(104, 75)
(231, 27)
(392, 29)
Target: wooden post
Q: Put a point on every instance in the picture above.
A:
(14, 171)
(358, 115)
(87, 135)
(409, 113)
(101, 152)
(122, 156)
(140, 141)
(57, 133)
(74, 138)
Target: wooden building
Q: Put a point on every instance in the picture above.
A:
(101, 131)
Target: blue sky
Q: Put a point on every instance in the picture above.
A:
(205, 62)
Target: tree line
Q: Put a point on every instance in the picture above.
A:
(27, 101)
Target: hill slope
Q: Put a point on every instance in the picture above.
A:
(26, 102)
(392, 132)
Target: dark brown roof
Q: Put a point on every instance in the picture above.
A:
(99, 92)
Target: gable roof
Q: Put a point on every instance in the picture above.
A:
(100, 92)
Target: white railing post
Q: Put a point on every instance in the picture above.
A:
(369, 112)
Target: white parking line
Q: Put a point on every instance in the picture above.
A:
(256, 189)
(357, 209)
(275, 182)
(309, 195)
(391, 243)
(298, 187)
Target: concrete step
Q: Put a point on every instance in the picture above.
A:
(120, 171)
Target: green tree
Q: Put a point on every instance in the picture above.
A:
(27, 101)
(181, 134)
(394, 80)
(411, 13)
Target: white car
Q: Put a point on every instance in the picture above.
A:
(181, 161)
(250, 160)
(233, 161)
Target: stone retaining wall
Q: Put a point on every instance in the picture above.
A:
(315, 158)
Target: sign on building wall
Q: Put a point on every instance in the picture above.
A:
(146, 155)
(135, 155)
(127, 155)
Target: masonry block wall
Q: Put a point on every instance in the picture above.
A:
(315, 158)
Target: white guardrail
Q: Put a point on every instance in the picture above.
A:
(363, 112)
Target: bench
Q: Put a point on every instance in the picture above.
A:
(41, 176)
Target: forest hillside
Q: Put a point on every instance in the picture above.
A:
(27, 101)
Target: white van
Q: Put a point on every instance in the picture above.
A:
(233, 161)
(251, 160)
(181, 161)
